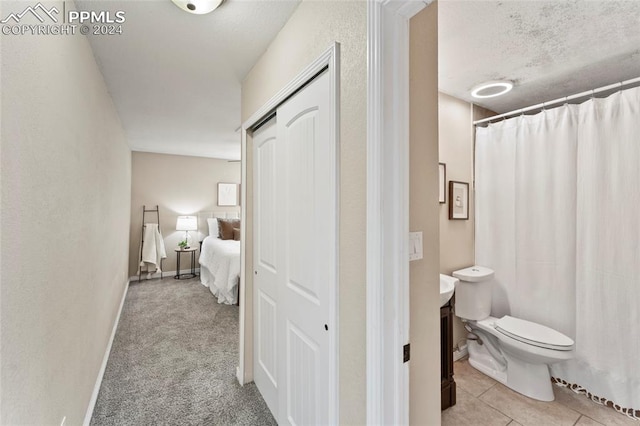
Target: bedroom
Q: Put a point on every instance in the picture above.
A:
(183, 186)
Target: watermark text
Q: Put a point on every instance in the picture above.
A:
(55, 19)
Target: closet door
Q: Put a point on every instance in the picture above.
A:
(295, 252)
(267, 260)
(307, 237)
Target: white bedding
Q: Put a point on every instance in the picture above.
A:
(220, 268)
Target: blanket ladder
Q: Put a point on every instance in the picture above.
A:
(145, 210)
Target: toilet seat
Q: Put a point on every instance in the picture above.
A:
(533, 334)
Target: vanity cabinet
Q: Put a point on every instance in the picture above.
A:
(448, 391)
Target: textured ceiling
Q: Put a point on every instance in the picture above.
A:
(175, 77)
(549, 49)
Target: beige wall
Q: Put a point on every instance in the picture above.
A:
(456, 151)
(312, 28)
(425, 310)
(457, 135)
(179, 185)
(66, 182)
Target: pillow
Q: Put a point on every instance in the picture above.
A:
(214, 230)
(226, 228)
(236, 234)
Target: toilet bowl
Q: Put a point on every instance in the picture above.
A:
(513, 351)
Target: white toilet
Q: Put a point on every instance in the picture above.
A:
(513, 351)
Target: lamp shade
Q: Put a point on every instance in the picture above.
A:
(187, 223)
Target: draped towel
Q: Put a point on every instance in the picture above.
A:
(153, 250)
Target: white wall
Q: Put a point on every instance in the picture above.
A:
(66, 182)
(312, 28)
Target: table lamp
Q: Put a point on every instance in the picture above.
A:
(186, 224)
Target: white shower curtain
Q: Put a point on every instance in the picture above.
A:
(557, 217)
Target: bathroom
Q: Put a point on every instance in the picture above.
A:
(555, 222)
(475, 390)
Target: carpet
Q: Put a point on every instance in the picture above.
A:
(173, 362)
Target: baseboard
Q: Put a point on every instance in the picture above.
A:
(103, 367)
(460, 353)
(165, 274)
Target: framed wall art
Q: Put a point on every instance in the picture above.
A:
(227, 194)
(458, 200)
(442, 173)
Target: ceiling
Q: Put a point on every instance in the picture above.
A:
(549, 49)
(175, 78)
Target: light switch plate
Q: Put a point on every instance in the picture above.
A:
(415, 245)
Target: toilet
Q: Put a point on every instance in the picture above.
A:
(515, 352)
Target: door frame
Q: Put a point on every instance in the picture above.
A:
(329, 59)
(388, 208)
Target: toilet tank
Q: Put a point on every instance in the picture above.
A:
(473, 293)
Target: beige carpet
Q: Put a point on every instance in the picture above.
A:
(173, 362)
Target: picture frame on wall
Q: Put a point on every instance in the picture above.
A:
(442, 189)
(227, 194)
(458, 200)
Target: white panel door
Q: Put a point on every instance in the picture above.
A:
(267, 264)
(295, 252)
(307, 213)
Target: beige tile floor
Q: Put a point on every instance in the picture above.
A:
(481, 401)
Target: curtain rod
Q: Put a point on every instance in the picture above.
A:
(565, 99)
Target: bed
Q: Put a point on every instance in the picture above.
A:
(220, 267)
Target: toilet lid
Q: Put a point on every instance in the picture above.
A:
(533, 334)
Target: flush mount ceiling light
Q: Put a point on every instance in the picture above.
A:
(491, 89)
(198, 7)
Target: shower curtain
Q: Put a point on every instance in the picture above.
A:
(558, 219)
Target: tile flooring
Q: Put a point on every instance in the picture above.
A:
(481, 401)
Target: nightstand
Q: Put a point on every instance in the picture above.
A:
(192, 274)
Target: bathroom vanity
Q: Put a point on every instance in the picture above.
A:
(448, 390)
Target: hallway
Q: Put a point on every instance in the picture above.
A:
(173, 361)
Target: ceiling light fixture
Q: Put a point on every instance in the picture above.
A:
(491, 89)
(198, 7)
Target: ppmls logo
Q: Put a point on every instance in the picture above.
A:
(39, 11)
(40, 20)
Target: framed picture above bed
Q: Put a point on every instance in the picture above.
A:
(227, 194)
